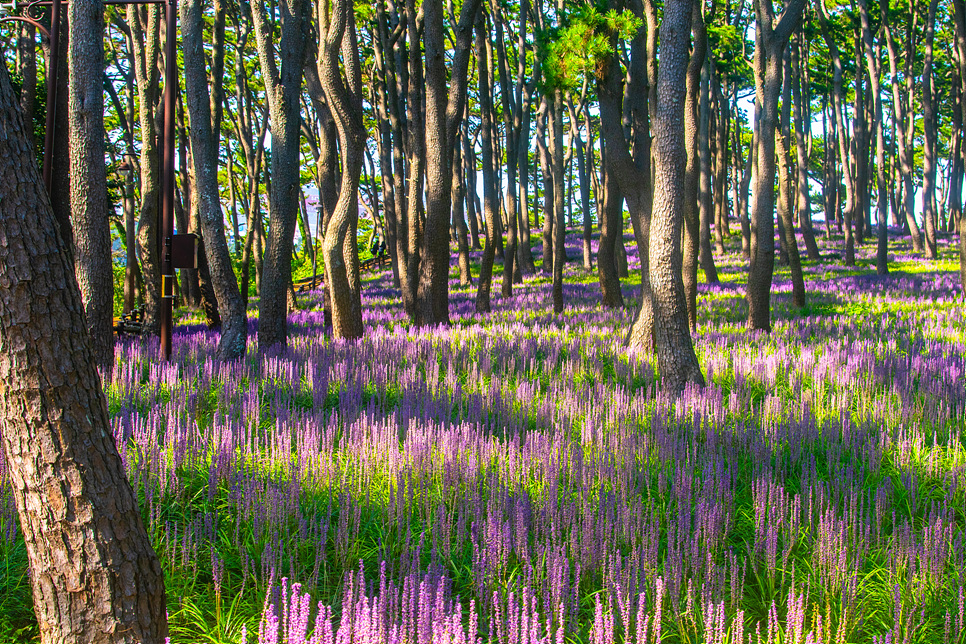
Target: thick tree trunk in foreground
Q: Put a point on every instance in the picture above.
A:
(88, 183)
(94, 575)
(676, 360)
(204, 156)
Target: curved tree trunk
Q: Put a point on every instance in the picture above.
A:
(343, 90)
(94, 574)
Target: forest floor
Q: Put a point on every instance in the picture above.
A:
(521, 477)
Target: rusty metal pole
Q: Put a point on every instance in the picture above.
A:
(52, 68)
(167, 178)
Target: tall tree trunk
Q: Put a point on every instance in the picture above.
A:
(841, 136)
(490, 200)
(746, 175)
(803, 205)
(786, 198)
(94, 574)
(704, 176)
(930, 147)
(610, 284)
(204, 155)
(904, 122)
(559, 230)
(546, 172)
(343, 90)
(772, 38)
(283, 86)
(445, 100)
(693, 215)
(872, 57)
(459, 218)
(88, 177)
(676, 360)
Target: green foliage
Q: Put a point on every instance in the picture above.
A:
(577, 49)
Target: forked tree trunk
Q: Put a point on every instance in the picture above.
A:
(94, 574)
(283, 86)
(772, 38)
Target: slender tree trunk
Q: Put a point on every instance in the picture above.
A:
(695, 135)
(904, 132)
(872, 57)
(94, 574)
(546, 171)
(930, 148)
(88, 177)
(610, 284)
(559, 231)
(204, 155)
(786, 192)
(490, 200)
(704, 180)
(803, 205)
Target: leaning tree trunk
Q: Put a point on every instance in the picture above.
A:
(786, 194)
(88, 177)
(204, 156)
(94, 574)
(283, 87)
(872, 56)
(676, 360)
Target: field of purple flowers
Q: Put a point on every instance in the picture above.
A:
(521, 478)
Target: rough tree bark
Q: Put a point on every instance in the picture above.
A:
(283, 86)
(772, 36)
(445, 98)
(872, 56)
(491, 203)
(88, 176)
(676, 360)
(692, 215)
(205, 127)
(930, 148)
(94, 574)
(343, 90)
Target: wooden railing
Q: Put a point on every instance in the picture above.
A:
(379, 261)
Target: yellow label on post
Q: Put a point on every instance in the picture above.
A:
(167, 286)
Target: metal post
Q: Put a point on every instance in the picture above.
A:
(167, 178)
(52, 73)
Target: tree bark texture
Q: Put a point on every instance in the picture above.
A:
(283, 87)
(88, 176)
(771, 41)
(692, 247)
(204, 156)
(491, 203)
(676, 360)
(94, 574)
(445, 100)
